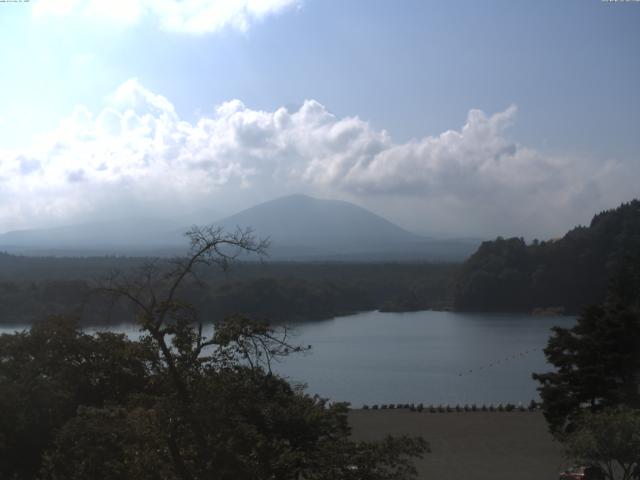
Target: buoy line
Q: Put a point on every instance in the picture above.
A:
(498, 362)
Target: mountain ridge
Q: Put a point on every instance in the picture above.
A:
(299, 226)
(304, 220)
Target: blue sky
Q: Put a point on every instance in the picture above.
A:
(390, 89)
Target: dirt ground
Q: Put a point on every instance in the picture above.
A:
(473, 445)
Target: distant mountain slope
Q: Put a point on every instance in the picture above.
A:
(305, 221)
(99, 237)
(302, 227)
(571, 272)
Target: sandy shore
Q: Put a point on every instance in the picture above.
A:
(477, 446)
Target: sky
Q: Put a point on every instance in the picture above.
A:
(461, 118)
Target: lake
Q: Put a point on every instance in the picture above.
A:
(429, 357)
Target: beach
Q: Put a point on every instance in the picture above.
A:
(473, 445)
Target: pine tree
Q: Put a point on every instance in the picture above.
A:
(598, 360)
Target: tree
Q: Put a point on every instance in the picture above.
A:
(47, 373)
(609, 440)
(568, 273)
(109, 443)
(598, 360)
(207, 405)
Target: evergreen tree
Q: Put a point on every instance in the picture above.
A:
(598, 360)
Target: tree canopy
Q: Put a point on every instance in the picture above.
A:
(598, 360)
(187, 401)
(32, 288)
(609, 441)
(565, 274)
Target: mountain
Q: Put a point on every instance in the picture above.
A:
(563, 275)
(127, 236)
(299, 227)
(303, 227)
(305, 221)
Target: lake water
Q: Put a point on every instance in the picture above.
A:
(430, 357)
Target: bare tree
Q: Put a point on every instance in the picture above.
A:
(201, 378)
(178, 332)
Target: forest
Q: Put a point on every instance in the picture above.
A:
(563, 275)
(560, 276)
(31, 288)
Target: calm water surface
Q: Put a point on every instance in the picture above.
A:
(429, 357)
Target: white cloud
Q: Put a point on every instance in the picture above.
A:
(185, 16)
(137, 155)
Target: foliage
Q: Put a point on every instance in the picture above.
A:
(288, 299)
(111, 442)
(562, 275)
(609, 440)
(31, 288)
(46, 374)
(184, 402)
(598, 360)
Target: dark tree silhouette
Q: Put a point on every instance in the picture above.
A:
(565, 274)
(598, 360)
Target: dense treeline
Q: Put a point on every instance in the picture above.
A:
(33, 287)
(22, 268)
(565, 274)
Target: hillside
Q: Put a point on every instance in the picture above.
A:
(569, 273)
(306, 228)
(132, 236)
(300, 228)
(303, 220)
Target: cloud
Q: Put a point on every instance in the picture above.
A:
(183, 16)
(137, 156)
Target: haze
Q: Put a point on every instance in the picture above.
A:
(465, 119)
